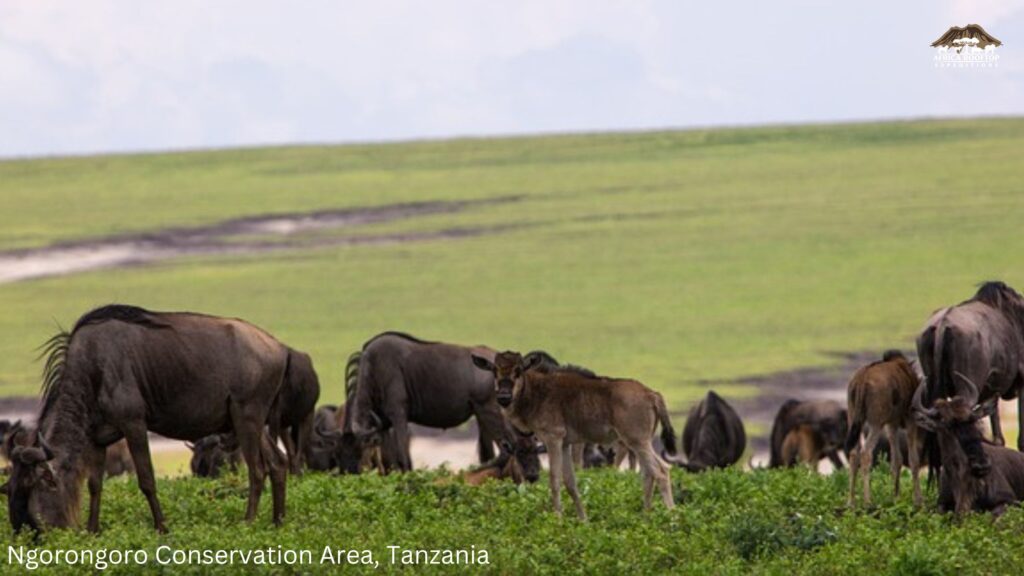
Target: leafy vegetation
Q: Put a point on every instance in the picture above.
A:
(730, 522)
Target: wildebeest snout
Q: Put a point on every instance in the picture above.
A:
(980, 468)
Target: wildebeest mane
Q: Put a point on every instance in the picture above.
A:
(402, 335)
(55, 350)
(549, 365)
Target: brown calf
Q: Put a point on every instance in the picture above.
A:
(565, 408)
(879, 399)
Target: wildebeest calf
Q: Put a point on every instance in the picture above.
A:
(976, 475)
(565, 408)
(878, 399)
(211, 453)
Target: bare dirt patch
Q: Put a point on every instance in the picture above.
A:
(233, 237)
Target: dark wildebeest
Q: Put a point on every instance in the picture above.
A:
(211, 453)
(507, 465)
(879, 400)
(400, 379)
(291, 418)
(713, 436)
(819, 430)
(123, 371)
(982, 340)
(976, 475)
(564, 408)
(327, 448)
(118, 459)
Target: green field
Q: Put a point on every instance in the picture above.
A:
(672, 257)
(779, 522)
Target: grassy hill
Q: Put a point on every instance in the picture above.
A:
(672, 257)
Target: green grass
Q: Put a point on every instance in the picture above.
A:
(730, 522)
(672, 257)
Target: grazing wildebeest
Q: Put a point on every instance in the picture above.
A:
(377, 452)
(123, 371)
(401, 379)
(291, 419)
(982, 339)
(879, 399)
(976, 475)
(564, 408)
(211, 453)
(713, 436)
(821, 431)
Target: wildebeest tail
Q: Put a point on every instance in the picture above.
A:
(855, 413)
(352, 374)
(668, 434)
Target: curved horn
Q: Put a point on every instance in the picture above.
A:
(971, 386)
(984, 410)
(672, 459)
(918, 409)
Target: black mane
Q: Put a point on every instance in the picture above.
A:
(402, 335)
(119, 312)
(998, 295)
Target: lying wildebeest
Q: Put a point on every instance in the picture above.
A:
(820, 430)
(976, 475)
(507, 466)
(583, 455)
(564, 408)
(400, 379)
(122, 371)
(879, 400)
(713, 436)
(211, 453)
(983, 340)
(291, 419)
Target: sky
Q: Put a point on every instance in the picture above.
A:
(125, 76)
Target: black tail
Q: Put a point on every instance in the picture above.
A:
(352, 374)
(780, 427)
(855, 411)
(668, 435)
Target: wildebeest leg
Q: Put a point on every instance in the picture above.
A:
(854, 469)
(997, 429)
(291, 451)
(655, 472)
(138, 445)
(577, 451)
(400, 428)
(1020, 422)
(837, 462)
(554, 446)
(492, 428)
(278, 465)
(249, 432)
(874, 433)
(95, 460)
(895, 459)
(569, 474)
(914, 455)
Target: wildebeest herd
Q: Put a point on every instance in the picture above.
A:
(236, 394)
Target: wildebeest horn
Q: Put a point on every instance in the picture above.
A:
(971, 386)
(29, 455)
(983, 410)
(920, 412)
(190, 446)
(671, 459)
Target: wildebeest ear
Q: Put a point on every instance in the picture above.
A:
(47, 476)
(531, 362)
(483, 363)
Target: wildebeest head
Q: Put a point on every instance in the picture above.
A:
(209, 455)
(32, 480)
(508, 369)
(957, 419)
(526, 452)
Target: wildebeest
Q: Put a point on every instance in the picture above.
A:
(326, 451)
(982, 339)
(819, 428)
(879, 399)
(564, 408)
(400, 379)
(122, 371)
(713, 436)
(291, 418)
(211, 453)
(583, 455)
(118, 459)
(976, 475)
(507, 466)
